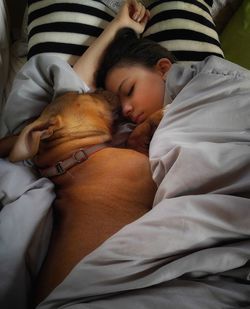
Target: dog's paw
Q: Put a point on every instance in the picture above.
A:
(141, 136)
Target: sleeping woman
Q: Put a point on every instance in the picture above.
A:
(146, 77)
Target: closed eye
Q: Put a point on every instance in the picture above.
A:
(131, 90)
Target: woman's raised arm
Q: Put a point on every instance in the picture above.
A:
(132, 14)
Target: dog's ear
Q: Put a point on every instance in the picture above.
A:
(27, 143)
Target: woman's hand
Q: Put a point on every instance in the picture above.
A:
(134, 15)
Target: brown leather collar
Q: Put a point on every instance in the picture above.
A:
(77, 157)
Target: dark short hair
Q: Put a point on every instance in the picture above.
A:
(128, 48)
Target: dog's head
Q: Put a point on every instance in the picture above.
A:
(70, 117)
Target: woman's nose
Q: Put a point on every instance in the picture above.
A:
(126, 108)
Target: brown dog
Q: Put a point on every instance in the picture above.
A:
(96, 194)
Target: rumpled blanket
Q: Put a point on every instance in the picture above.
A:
(192, 249)
(25, 198)
(25, 228)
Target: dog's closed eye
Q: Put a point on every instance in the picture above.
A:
(110, 97)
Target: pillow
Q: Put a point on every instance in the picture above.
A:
(68, 27)
(65, 27)
(185, 28)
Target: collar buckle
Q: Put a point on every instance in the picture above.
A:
(80, 156)
(59, 168)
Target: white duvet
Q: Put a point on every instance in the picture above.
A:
(192, 249)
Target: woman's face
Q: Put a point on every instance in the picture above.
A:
(140, 90)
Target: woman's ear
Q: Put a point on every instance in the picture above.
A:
(163, 65)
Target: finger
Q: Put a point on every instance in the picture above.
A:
(139, 8)
(145, 18)
(141, 13)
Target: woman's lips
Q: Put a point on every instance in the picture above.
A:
(139, 118)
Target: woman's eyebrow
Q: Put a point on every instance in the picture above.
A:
(121, 85)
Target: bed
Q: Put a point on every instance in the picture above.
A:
(192, 249)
